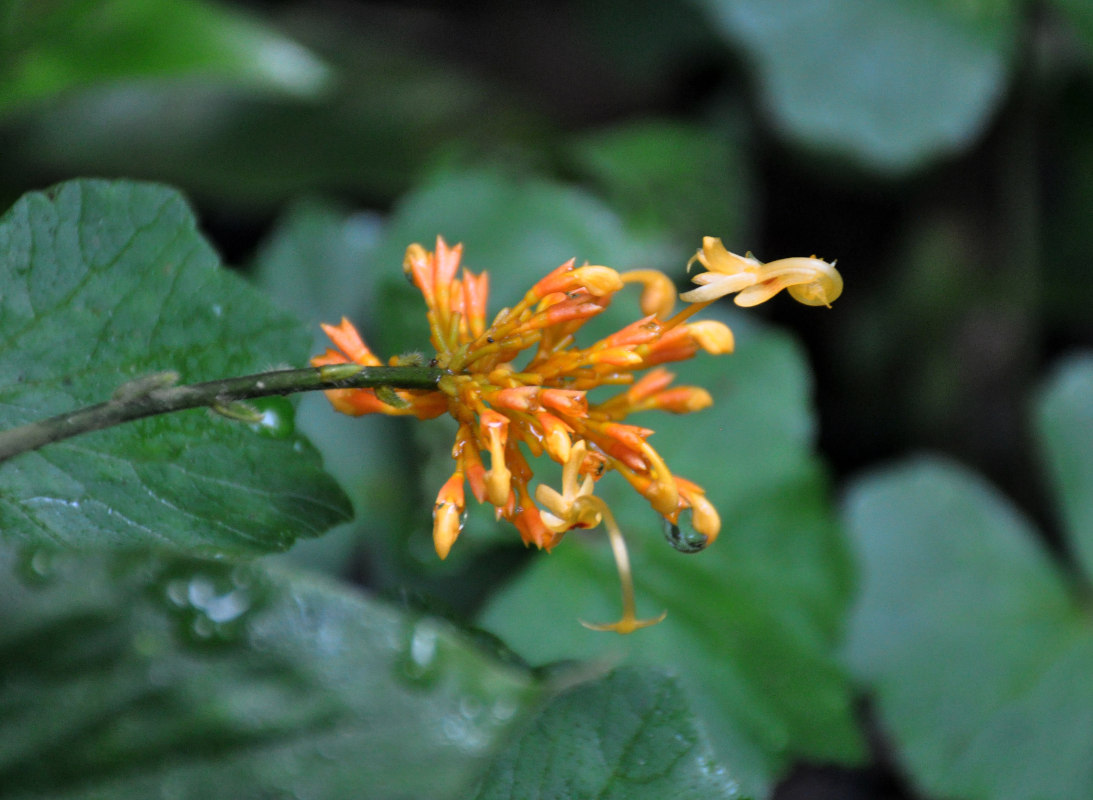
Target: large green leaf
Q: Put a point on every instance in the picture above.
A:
(1065, 422)
(629, 736)
(752, 622)
(319, 263)
(138, 676)
(1080, 15)
(891, 85)
(392, 108)
(57, 46)
(107, 282)
(977, 650)
(667, 177)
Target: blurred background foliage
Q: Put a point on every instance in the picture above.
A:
(941, 151)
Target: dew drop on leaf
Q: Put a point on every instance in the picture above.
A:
(419, 663)
(210, 603)
(277, 420)
(37, 566)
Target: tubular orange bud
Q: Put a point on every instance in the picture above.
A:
(640, 331)
(712, 336)
(615, 357)
(566, 311)
(356, 402)
(498, 479)
(447, 514)
(446, 528)
(476, 290)
(348, 340)
(416, 265)
(517, 398)
(704, 517)
(498, 482)
(599, 281)
(532, 529)
(556, 439)
(446, 261)
(567, 401)
(624, 453)
(649, 384)
(658, 294)
(555, 281)
(630, 435)
(682, 400)
(664, 497)
(676, 344)
(476, 477)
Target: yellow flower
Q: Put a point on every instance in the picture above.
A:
(811, 281)
(518, 387)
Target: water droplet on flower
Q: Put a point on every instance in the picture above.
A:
(684, 537)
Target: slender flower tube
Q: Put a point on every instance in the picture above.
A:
(519, 385)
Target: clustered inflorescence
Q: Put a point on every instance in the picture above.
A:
(522, 379)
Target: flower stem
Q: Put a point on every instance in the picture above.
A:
(156, 394)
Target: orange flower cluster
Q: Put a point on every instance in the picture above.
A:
(520, 379)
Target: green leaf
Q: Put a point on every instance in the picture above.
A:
(108, 282)
(519, 226)
(139, 676)
(890, 85)
(318, 263)
(628, 736)
(58, 46)
(1065, 425)
(753, 620)
(1080, 14)
(977, 652)
(394, 106)
(665, 176)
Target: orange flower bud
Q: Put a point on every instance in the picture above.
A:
(498, 479)
(447, 514)
(682, 400)
(556, 439)
(649, 384)
(615, 357)
(658, 294)
(640, 331)
(446, 261)
(599, 281)
(416, 265)
(567, 401)
(704, 517)
(476, 291)
(517, 398)
(712, 336)
(348, 340)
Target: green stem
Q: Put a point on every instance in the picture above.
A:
(155, 394)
